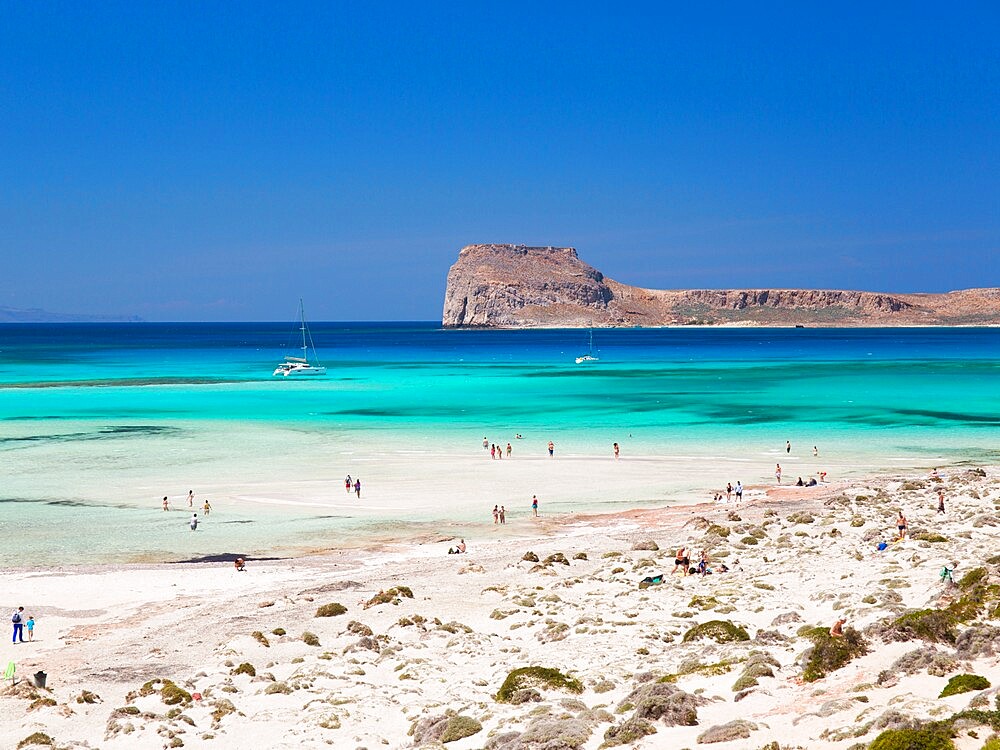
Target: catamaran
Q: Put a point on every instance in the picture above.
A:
(300, 366)
(589, 356)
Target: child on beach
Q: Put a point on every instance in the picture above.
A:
(30, 627)
(190, 498)
(166, 505)
(348, 484)
(208, 508)
(534, 505)
(357, 488)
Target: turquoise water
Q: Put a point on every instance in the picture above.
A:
(98, 422)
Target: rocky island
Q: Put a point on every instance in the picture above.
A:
(515, 286)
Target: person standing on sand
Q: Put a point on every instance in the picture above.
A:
(902, 525)
(486, 444)
(729, 491)
(682, 561)
(166, 505)
(193, 523)
(788, 446)
(509, 449)
(739, 491)
(615, 449)
(348, 484)
(190, 498)
(30, 627)
(940, 502)
(493, 451)
(357, 487)
(496, 514)
(552, 448)
(815, 451)
(534, 505)
(777, 472)
(18, 625)
(503, 514)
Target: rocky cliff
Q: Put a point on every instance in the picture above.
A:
(517, 286)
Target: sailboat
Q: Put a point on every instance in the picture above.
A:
(300, 366)
(589, 356)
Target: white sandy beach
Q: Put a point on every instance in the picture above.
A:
(380, 674)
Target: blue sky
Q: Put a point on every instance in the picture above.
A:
(215, 161)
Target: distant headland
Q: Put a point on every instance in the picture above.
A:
(37, 315)
(514, 286)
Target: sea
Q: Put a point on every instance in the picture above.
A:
(98, 422)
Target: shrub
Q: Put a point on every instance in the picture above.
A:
(331, 610)
(459, 727)
(278, 631)
(749, 540)
(734, 730)
(829, 653)
(260, 638)
(925, 738)
(310, 639)
(663, 701)
(646, 545)
(246, 668)
(964, 683)
(629, 731)
(277, 687)
(358, 628)
(802, 517)
(580, 556)
(721, 631)
(935, 625)
(527, 677)
(171, 694)
(37, 738)
(532, 557)
(927, 536)
(88, 697)
(556, 557)
(391, 596)
(717, 529)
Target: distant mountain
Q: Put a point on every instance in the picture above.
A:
(513, 286)
(36, 315)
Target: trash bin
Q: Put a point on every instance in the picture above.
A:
(40, 678)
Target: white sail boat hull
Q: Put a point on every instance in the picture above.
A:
(298, 370)
(298, 367)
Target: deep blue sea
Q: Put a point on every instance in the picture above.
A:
(99, 422)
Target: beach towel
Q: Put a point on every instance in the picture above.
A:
(9, 674)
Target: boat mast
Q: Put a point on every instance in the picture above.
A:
(302, 327)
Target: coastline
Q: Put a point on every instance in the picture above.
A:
(111, 629)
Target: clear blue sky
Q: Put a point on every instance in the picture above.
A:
(215, 161)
